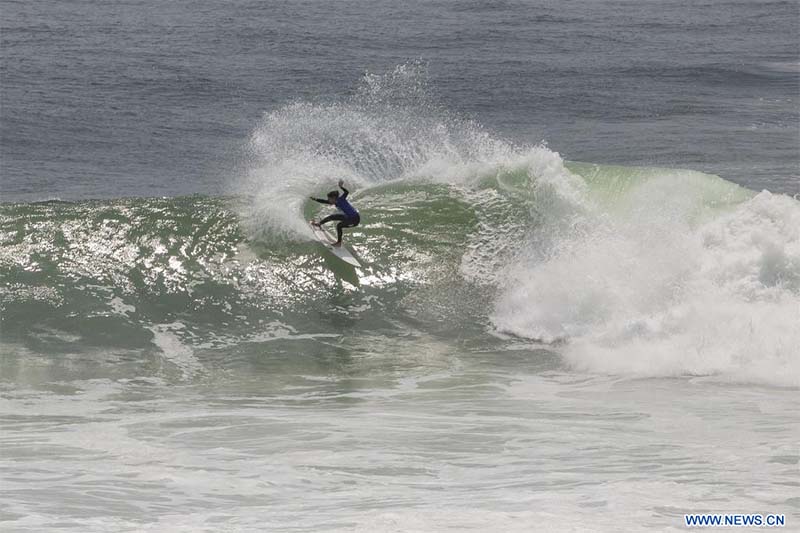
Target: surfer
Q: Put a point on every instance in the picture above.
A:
(348, 218)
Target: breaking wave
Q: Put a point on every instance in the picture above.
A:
(630, 271)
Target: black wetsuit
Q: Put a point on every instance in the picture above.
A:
(348, 217)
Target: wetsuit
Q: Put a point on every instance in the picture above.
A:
(348, 217)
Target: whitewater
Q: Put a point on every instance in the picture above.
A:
(532, 344)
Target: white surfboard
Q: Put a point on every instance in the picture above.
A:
(328, 240)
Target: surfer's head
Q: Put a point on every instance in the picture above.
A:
(333, 196)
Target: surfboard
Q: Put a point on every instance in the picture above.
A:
(328, 240)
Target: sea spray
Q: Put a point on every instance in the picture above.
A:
(391, 128)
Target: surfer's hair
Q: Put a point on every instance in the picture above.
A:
(333, 194)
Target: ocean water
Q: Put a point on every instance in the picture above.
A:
(579, 308)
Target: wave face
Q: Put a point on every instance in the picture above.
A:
(629, 271)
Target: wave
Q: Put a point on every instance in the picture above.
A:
(624, 271)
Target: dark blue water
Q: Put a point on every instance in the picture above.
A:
(142, 98)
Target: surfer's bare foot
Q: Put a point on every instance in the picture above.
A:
(337, 244)
(314, 223)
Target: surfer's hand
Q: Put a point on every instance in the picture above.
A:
(341, 183)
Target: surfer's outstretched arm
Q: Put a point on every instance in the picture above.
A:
(345, 191)
(320, 200)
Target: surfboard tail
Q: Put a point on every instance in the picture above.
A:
(328, 241)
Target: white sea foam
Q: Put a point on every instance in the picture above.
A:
(663, 279)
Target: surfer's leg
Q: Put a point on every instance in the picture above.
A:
(339, 227)
(346, 223)
(330, 218)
